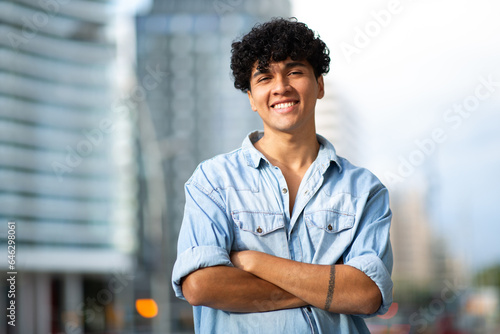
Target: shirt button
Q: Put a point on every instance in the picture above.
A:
(284, 191)
(259, 230)
(330, 227)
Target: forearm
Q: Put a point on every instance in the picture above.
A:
(338, 289)
(234, 290)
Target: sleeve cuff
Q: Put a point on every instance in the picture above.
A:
(195, 258)
(374, 268)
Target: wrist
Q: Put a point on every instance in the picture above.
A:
(244, 260)
(258, 263)
(251, 260)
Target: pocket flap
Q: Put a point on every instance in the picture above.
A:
(258, 223)
(331, 221)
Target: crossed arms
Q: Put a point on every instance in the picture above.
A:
(260, 282)
(251, 281)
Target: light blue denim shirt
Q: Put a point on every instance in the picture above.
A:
(239, 201)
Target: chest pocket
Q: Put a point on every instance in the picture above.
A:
(260, 231)
(330, 229)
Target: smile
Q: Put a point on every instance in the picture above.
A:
(283, 105)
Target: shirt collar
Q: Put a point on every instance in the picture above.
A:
(253, 156)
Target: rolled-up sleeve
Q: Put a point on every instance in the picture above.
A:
(206, 235)
(371, 250)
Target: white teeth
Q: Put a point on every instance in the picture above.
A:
(284, 105)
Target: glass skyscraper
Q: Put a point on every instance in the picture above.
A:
(66, 167)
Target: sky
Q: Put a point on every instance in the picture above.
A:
(423, 78)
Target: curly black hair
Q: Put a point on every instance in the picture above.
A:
(277, 40)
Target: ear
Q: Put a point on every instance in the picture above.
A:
(321, 87)
(252, 102)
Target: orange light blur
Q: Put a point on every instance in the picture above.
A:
(393, 310)
(146, 307)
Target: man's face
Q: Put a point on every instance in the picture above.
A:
(285, 95)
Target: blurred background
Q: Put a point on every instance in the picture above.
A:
(107, 107)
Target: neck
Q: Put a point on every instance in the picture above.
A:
(292, 151)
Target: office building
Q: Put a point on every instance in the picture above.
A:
(66, 167)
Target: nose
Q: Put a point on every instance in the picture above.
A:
(281, 85)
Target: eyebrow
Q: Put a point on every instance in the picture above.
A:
(287, 66)
(295, 64)
(259, 72)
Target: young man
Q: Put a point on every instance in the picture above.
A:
(282, 235)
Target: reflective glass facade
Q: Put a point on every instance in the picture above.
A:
(66, 165)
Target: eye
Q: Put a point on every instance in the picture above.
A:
(295, 72)
(261, 79)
